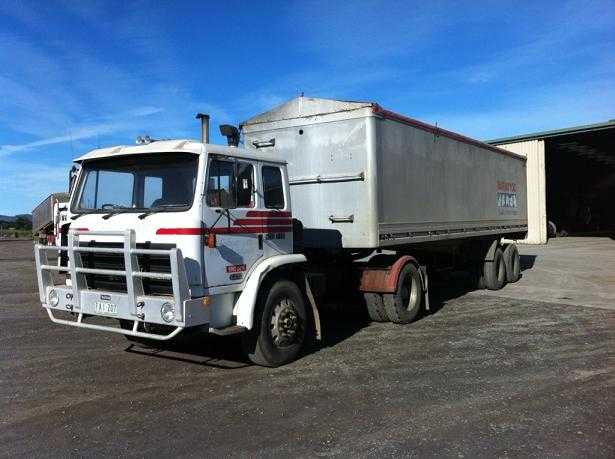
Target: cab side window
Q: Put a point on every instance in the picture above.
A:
(230, 184)
(245, 185)
(272, 187)
(220, 184)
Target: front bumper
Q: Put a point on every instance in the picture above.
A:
(132, 305)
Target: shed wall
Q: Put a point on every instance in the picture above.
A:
(534, 151)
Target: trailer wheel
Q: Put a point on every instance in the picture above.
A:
(404, 305)
(279, 329)
(551, 230)
(495, 271)
(512, 263)
(375, 307)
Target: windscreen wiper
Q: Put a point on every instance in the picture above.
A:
(111, 214)
(159, 208)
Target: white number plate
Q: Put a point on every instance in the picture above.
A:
(102, 307)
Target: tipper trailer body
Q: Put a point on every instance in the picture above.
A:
(365, 177)
(47, 217)
(168, 235)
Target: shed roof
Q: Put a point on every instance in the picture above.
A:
(554, 133)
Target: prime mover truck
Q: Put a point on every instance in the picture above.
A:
(246, 238)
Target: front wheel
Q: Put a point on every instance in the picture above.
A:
(279, 329)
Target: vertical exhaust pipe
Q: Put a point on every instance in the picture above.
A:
(204, 126)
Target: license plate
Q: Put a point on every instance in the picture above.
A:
(103, 307)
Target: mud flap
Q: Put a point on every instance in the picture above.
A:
(425, 281)
(315, 314)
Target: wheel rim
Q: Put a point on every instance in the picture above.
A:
(285, 325)
(409, 292)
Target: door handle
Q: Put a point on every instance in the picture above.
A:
(341, 219)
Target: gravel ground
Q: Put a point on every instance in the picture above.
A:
(482, 375)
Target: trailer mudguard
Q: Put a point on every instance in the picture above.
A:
(244, 307)
(384, 280)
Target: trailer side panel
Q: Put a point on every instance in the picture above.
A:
(436, 187)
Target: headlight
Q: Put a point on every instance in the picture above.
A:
(53, 298)
(167, 312)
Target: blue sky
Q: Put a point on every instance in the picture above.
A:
(75, 75)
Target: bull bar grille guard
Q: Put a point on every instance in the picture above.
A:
(134, 285)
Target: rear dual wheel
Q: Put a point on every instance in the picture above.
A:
(375, 307)
(505, 267)
(404, 305)
(401, 306)
(494, 271)
(512, 261)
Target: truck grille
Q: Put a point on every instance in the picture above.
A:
(147, 263)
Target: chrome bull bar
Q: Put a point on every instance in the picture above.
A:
(134, 296)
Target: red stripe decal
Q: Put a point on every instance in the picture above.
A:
(225, 230)
(181, 231)
(249, 229)
(267, 213)
(263, 221)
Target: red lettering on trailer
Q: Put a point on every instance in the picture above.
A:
(508, 187)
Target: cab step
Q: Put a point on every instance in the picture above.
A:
(230, 330)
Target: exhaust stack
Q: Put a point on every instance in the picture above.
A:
(204, 126)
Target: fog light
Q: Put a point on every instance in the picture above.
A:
(167, 312)
(53, 298)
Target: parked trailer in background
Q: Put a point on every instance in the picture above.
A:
(46, 217)
(324, 195)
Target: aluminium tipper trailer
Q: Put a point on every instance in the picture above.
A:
(45, 216)
(365, 177)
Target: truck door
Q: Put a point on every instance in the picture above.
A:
(230, 198)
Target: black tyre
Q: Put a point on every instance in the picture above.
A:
(476, 280)
(551, 230)
(375, 307)
(280, 323)
(495, 271)
(404, 305)
(512, 263)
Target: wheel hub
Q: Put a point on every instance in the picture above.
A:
(284, 323)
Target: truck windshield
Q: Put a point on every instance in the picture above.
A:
(136, 183)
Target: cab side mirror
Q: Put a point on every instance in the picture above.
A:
(231, 133)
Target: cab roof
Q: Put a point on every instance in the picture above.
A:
(178, 146)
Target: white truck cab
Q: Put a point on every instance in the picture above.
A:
(174, 234)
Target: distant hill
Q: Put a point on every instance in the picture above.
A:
(11, 219)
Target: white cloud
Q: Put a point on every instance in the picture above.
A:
(25, 184)
(84, 132)
(552, 107)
